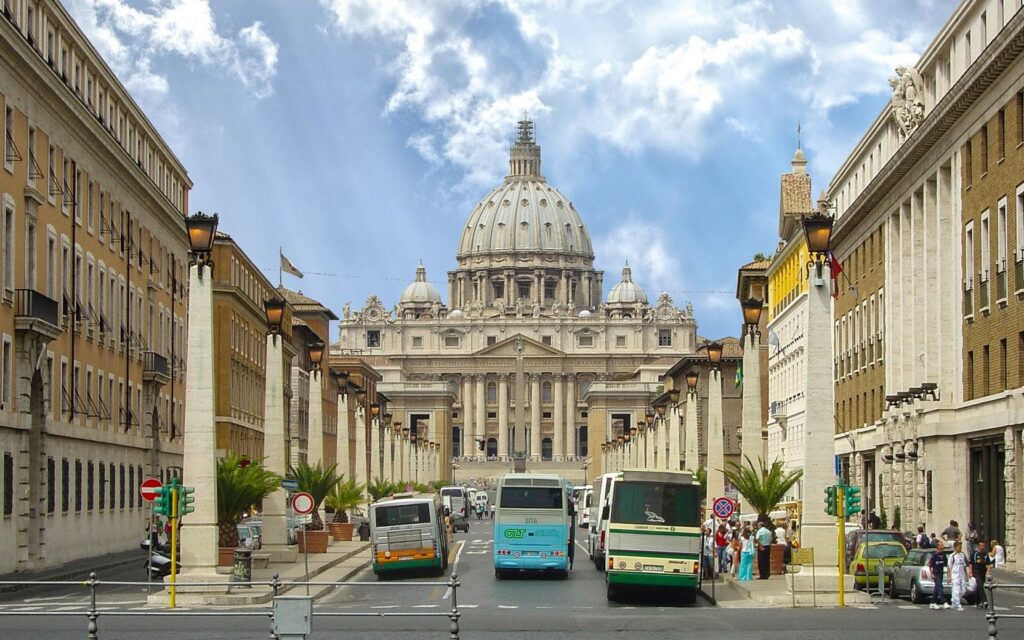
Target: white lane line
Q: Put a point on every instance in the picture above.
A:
(48, 598)
(508, 606)
(395, 606)
(468, 606)
(482, 552)
(588, 553)
(458, 556)
(424, 606)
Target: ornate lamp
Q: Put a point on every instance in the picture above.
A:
(714, 350)
(818, 234)
(661, 409)
(316, 353)
(202, 230)
(752, 313)
(691, 380)
(274, 309)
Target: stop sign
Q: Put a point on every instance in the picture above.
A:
(148, 489)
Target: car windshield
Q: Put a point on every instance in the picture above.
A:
(884, 551)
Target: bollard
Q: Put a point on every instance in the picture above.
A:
(453, 627)
(93, 615)
(990, 615)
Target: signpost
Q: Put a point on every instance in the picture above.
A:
(149, 490)
(802, 557)
(302, 505)
(723, 508)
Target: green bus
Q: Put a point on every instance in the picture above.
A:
(654, 535)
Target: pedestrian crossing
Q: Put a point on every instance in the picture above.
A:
(479, 547)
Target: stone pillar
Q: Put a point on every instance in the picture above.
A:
(361, 453)
(672, 461)
(818, 529)
(480, 405)
(315, 442)
(535, 417)
(1012, 477)
(389, 469)
(752, 445)
(715, 438)
(557, 441)
(691, 461)
(199, 531)
(651, 442)
(375, 459)
(503, 416)
(275, 528)
(344, 458)
(469, 447)
(570, 413)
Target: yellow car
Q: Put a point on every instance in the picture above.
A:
(865, 563)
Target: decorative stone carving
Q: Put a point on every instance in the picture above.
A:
(346, 311)
(536, 310)
(374, 311)
(520, 308)
(907, 99)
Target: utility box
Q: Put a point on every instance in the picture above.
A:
(292, 617)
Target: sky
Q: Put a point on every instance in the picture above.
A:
(357, 135)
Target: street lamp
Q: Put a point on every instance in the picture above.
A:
(691, 380)
(714, 350)
(202, 230)
(818, 234)
(752, 313)
(274, 310)
(316, 353)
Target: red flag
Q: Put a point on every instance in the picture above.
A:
(834, 270)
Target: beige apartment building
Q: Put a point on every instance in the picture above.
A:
(92, 297)
(928, 336)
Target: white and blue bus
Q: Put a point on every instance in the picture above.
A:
(532, 525)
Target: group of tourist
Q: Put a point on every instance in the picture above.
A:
(735, 547)
(969, 562)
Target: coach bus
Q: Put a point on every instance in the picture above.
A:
(409, 532)
(532, 525)
(654, 536)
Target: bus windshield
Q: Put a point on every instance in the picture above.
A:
(531, 497)
(655, 504)
(393, 515)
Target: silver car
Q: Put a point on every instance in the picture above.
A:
(913, 578)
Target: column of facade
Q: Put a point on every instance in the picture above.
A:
(651, 437)
(503, 416)
(374, 469)
(468, 446)
(752, 445)
(481, 409)
(691, 461)
(389, 469)
(557, 440)
(565, 287)
(672, 462)
(535, 417)
(570, 414)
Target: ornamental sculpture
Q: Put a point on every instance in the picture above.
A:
(907, 99)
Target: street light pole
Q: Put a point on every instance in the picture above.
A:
(715, 437)
(315, 437)
(275, 525)
(752, 445)
(691, 459)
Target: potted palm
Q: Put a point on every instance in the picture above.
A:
(763, 488)
(344, 496)
(241, 483)
(317, 481)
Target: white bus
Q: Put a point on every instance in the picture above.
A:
(408, 532)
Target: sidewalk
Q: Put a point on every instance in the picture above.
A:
(342, 561)
(77, 569)
(773, 593)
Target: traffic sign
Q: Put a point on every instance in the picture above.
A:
(148, 489)
(302, 503)
(723, 508)
(306, 519)
(288, 484)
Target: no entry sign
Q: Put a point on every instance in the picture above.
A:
(302, 503)
(148, 489)
(723, 508)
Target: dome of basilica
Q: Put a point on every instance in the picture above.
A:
(420, 291)
(627, 292)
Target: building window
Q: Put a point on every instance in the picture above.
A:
(546, 415)
(620, 341)
(51, 485)
(8, 483)
(585, 341)
(499, 290)
(1019, 215)
(451, 341)
(417, 342)
(65, 485)
(986, 371)
(78, 485)
(984, 150)
(549, 289)
(969, 266)
(90, 485)
(103, 486)
(546, 340)
(545, 392)
(969, 374)
(969, 162)
(664, 337)
(1001, 236)
(9, 248)
(112, 487)
(986, 255)
(1003, 366)
(120, 500)
(492, 340)
(5, 377)
(491, 415)
(492, 392)
(523, 289)
(1001, 123)
(373, 339)
(9, 154)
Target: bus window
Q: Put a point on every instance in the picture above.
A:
(531, 497)
(655, 504)
(390, 516)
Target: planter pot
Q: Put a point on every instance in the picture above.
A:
(225, 556)
(341, 531)
(313, 541)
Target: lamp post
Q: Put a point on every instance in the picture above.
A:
(376, 467)
(673, 432)
(275, 526)
(715, 439)
(751, 442)
(650, 439)
(388, 431)
(315, 437)
(200, 530)
(661, 428)
(691, 459)
(819, 436)
(361, 452)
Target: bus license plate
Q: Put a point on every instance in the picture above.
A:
(652, 567)
(529, 553)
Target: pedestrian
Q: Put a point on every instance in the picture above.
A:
(780, 533)
(492, 511)
(764, 550)
(874, 522)
(937, 566)
(933, 541)
(980, 563)
(959, 570)
(998, 554)
(746, 570)
(709, 553)
(737, 548)
(921, 541)
(951, 533)
(971, 540)
(720, 546)
(794, 538)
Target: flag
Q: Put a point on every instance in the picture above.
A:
(739, 375)
(773, 341)
(288, 267)
(834, 270)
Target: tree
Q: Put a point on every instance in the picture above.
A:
(317, 481)
(762, 488)
(758, 257)
(344, 496)
(381, 488)
(241, 483)
(701, 476)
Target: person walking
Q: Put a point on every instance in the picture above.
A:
(764, 551)
(951, 533)
(998, 554)
(959, 570)
(980, 563)
(737, 549)
(922, 538)
(746, 571)
(937, 566)
(720, 546)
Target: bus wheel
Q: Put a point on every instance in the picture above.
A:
(499, 574)
(612, 593)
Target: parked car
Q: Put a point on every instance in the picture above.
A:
(249, 536)
(858, 536)
(913, 578)
(865, 563)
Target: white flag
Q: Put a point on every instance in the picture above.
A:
(288, 267)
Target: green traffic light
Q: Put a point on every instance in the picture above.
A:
(162, 504)
(852, 501)
(830, 500)
(186, 499)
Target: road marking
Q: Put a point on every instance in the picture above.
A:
(424, 606)
(49, 598)
(395, 606)
(458, 556)
(468, 606)
(477, 553)
(904, 606)
(508, 606)
(584, 548)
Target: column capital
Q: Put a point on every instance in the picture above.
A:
(503, 377)
(558, 376)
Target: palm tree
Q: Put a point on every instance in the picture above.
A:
(317, 481)
(381, 488)
(241, 483)
(344, 496)
(701, 477)
(764, 488)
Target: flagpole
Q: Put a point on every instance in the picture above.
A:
(280, 277)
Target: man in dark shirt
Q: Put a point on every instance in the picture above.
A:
(981, 562)
(937, 563)
(951, 533)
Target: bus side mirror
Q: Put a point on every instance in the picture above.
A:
(604, 512)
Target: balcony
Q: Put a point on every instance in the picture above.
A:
(1001, 287)
(155, 369)
(777, 410)
(1018, 276)
(36, 313)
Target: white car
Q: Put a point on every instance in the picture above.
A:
(601, 493)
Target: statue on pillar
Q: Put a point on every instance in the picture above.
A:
(520, 308)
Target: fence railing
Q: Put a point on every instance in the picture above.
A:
(92, 612)
(991, 615)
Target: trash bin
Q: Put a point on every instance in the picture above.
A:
(364, 531)
(243, 566)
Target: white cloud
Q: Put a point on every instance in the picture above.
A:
(641, 243)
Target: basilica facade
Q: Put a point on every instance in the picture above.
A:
(525, 348)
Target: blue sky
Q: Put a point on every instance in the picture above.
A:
(358, 134)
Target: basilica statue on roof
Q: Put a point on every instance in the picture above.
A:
(525, 359)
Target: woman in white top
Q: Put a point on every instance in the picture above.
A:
(746, 556)
(958, 574)
(998, 554)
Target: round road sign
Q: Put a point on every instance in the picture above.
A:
(148, 489)
(302, 503)
(723, 508)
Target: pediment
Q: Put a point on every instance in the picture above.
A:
(531, 348)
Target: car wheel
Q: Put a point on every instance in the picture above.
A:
(892, 588)
(915, 593)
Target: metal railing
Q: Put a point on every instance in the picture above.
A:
(92, 612)
(991, 616)
(32, 304)
(155, 364)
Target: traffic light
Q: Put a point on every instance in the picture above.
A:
(852, 501)
(830, 500)
(185, 500)
(162, 503)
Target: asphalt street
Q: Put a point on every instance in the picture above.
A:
(543, 607)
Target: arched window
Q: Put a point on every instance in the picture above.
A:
(545, 449)
(545, 392)
(492, 392)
